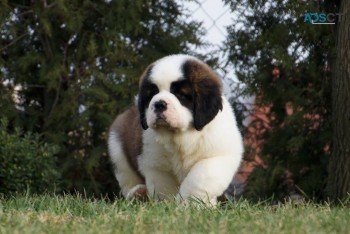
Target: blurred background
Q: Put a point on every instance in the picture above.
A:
(67, 68)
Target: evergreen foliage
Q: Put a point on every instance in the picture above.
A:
(75, 65)
(27, 163)
(271, 35)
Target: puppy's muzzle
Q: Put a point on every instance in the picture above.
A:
(160, 106)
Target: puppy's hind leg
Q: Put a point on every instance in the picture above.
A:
(131, 183)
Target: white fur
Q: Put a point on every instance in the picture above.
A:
(167, 70)
(193, 163)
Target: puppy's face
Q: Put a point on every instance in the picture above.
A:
(178, 92)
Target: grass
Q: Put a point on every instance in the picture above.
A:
(74, 214)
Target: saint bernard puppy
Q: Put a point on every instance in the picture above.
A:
(181, 140)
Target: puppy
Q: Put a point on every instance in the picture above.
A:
(180, 140)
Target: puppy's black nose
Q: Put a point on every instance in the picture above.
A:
(160, 106)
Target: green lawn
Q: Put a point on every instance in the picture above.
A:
(73, 214)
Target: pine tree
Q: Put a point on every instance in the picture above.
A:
(286, 63)
(78, 63)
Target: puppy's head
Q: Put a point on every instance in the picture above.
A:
(179, 92)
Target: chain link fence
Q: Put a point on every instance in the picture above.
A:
(215, 17)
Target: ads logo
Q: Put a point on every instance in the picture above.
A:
(322, 18)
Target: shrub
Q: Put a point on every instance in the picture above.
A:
(26, 163)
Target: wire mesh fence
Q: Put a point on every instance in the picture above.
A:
(215, 15)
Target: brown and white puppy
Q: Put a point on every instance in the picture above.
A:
(181, 139)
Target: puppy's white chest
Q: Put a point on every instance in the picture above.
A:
(179, 157)
(178, 166)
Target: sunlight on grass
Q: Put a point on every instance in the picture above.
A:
(75, 214)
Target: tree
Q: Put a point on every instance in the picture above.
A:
(286, 64)
(338, 186)
(76, 65)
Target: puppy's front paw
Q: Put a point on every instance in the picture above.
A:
(196, 201)
(138, 192)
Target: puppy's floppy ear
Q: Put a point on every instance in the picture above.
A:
(144, 96)
(206, 85)
(207, 104)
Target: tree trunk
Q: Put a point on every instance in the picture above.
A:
(338, 184)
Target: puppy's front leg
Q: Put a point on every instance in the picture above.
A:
(160, 184)
(208, 179)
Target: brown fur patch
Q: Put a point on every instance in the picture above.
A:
(201, 72)
(129, 129)
(141, 194)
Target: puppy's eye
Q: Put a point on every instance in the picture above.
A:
(182, 90)
(183, 94)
